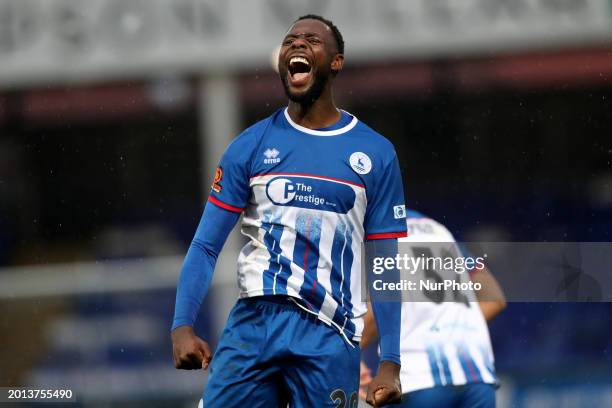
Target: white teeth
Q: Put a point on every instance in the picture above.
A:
(299, 59)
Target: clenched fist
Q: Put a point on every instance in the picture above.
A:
(385, 388)
(188, 350)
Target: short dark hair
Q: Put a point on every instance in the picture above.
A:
(328, 23)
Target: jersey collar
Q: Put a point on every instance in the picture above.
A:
(313, 132)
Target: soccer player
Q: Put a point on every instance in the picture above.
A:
(313, 183)
(446, 354)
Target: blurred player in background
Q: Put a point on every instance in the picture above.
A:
(446, 353)
(314, 183)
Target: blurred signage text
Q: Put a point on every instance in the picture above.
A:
(43, 41)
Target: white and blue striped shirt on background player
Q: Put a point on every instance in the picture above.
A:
(444, 343)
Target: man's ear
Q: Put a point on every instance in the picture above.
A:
(337, 63)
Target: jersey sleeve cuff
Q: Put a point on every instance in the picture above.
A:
(225, 206)
(393, 358)
(180, 322)
(386, 235)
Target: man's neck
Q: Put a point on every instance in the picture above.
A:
(320, 114)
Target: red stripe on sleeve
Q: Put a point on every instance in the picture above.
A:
(227, 207)
(387, 235)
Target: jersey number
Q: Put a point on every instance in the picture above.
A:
(339, 398)
(437, 296)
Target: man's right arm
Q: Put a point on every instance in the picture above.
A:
(491, 297)
(228, 198)
(190, 351)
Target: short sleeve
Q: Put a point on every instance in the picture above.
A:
(386, 212)
(230, 187)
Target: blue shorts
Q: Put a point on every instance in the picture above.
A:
(476, 395)
(272, 353)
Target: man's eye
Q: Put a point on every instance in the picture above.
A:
(314, 41)
(288, 41)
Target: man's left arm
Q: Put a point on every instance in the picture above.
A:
(386, 305)
(385, 222)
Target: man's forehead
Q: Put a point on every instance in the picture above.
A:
(309, 26)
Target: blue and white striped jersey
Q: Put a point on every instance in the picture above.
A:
(310, 198)
(443, 343)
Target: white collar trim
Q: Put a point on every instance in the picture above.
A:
(322, 132)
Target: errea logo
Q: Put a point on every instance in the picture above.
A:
(271, 156)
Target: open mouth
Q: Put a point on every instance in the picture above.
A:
(299, 71)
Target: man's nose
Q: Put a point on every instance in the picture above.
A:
(299, 43)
